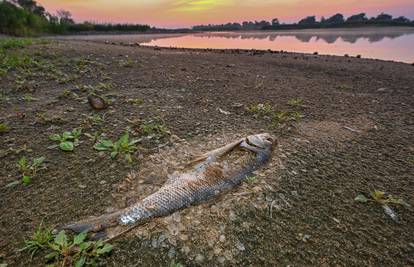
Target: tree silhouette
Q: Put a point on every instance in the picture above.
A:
(335, 19)
(357, 18)
(383, 17)
(308, 21)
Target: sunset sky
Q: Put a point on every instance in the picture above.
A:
(184, 13)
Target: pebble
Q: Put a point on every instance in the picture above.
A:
(240, 246)
(221, 260)
(228, 255)
(185, 250)
(222, 238)
(199, 258)
(217, 250)
(171, 253)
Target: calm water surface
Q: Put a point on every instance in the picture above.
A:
(393, 43)
(387, 44)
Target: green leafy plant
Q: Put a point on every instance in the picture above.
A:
(66, 251)
(39, 241)
(123, 146)
(380, 197)
(67, 141)
(77, 252)
(27, 170)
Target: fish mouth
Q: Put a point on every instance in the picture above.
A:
(262, 141)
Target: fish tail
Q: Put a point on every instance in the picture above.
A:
(94, 224)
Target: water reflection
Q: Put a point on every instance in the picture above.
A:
(328, 36)
(392, 43)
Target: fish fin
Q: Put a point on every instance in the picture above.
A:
(216, 153)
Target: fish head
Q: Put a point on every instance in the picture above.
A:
(263, 140)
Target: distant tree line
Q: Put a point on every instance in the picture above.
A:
(26, 17)
(336, 21)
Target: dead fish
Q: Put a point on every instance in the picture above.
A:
(204, 180)
(97, 102)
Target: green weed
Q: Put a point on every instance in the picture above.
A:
(126, 63)
(410, 158)
(344, 87)
(296, 102)
(3, 97)
(66, 251)
(261, 110)
(29, 98)
(42, 118)
(154, 130)
(15, 43)
(4, 128)
(385, 200)
(39, 241)
(27, 170)
(251, 179)
(77, 252)
(123, 146)
(96, 119)
(67, 141)
(135, 101)
(381, 197)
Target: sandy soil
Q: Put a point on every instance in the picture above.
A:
(355, 135)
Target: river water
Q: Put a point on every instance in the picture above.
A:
(391, 43)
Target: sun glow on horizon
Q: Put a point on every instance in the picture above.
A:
(185, 13)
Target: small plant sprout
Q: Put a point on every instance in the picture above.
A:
(411, 159)
(67, 141)
(154, 129)
(296, 116)
(126, 63)
(39, 241)
(123, 146)
(4, 128)
(261, 110)
(135, 101)
(251, 179)
(296, 102)
(29, 98)
(176, 264)
(280, 117)
(27, 170)
(384, 200)
(344, 87)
